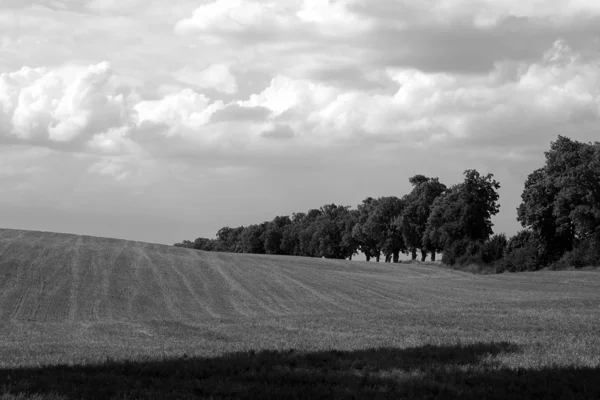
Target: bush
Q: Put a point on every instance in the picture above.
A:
(465, 252)
(585, 253)
(458, 252)
(520, 259)
(493, 249)
(523, 252)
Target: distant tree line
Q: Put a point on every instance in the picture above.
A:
(560, 214)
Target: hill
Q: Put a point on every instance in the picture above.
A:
(88, 317)
(59, 277)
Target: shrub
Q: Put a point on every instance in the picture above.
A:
(520, 259)
(585, 253)
(465, 252)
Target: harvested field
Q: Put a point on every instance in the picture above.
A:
(83, 316)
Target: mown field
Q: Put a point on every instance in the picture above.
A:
(84, 317)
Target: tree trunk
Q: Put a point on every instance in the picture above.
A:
(377, 256)
(388, 258)
(368, 257)
(433, 256)
(350, 258)
(396, 256)
(414, 253)
(423, 254)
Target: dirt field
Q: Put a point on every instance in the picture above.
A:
(84, 317)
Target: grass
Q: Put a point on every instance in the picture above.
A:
(462, 371)
(84, 317)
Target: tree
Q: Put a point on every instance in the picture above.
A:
(363, 233)
(462, 215)
(309, 242)
(290, 241)
(186, 244)
(228, 240)
(251, 239)
(273, 234)
(349, 245)
(330, 227)
(383, 224)
(417, 208)
(203, 244)
(561, 200)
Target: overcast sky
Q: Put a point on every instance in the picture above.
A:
(160, 120)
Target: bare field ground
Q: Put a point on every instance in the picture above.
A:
(85, 317)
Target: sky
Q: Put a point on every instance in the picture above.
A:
(162, 121)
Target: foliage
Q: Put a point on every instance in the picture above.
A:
(417, 208)
(586, 253)
(561, 201)
(365, 233)
(462, 215)
(560, 211)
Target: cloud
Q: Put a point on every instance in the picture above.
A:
(215, 76)
(235, 112)
(182, 113)
(110, 168)
(232, 17)
(333, 17)
(62, 105)
(279, 131)
(527, 102)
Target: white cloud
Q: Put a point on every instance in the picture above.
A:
(181, 113)
(231, 16)
(110, 168)
(62, 104)
(185, 107)
(490, 12)
(333, 17)
(429, 107)
(215, 76)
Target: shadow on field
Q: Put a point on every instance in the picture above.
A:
(428, 372)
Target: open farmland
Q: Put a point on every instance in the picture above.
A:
(85, 317)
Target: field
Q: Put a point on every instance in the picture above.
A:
(85, 317)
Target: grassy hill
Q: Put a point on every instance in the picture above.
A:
(102, 305)
(51, 277)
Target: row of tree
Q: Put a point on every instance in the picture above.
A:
(427, 220)
(560, 214)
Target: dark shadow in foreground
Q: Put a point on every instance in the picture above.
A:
(427, 372)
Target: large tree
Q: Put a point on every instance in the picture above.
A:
(273, 235)
(462, 214)
(417, 208)
(561, 200)
(330, 228)
(251, 239)
(363, 232)
(383, 221)
(376, 230)
(228, 240)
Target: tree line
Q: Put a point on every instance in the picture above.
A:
(559, 212)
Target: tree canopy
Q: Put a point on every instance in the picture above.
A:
(560, 214)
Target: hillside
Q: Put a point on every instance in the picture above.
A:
(50, 277)
(88, 317)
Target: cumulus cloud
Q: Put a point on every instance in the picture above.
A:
(333, 17)
(235, 112)
(62, 105)
(527, 103)
(215, 76)
(279, 131)
(233, 17)
(181, 113)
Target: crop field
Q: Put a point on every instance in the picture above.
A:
(86, 317)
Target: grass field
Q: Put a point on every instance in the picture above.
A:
(84, 317)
